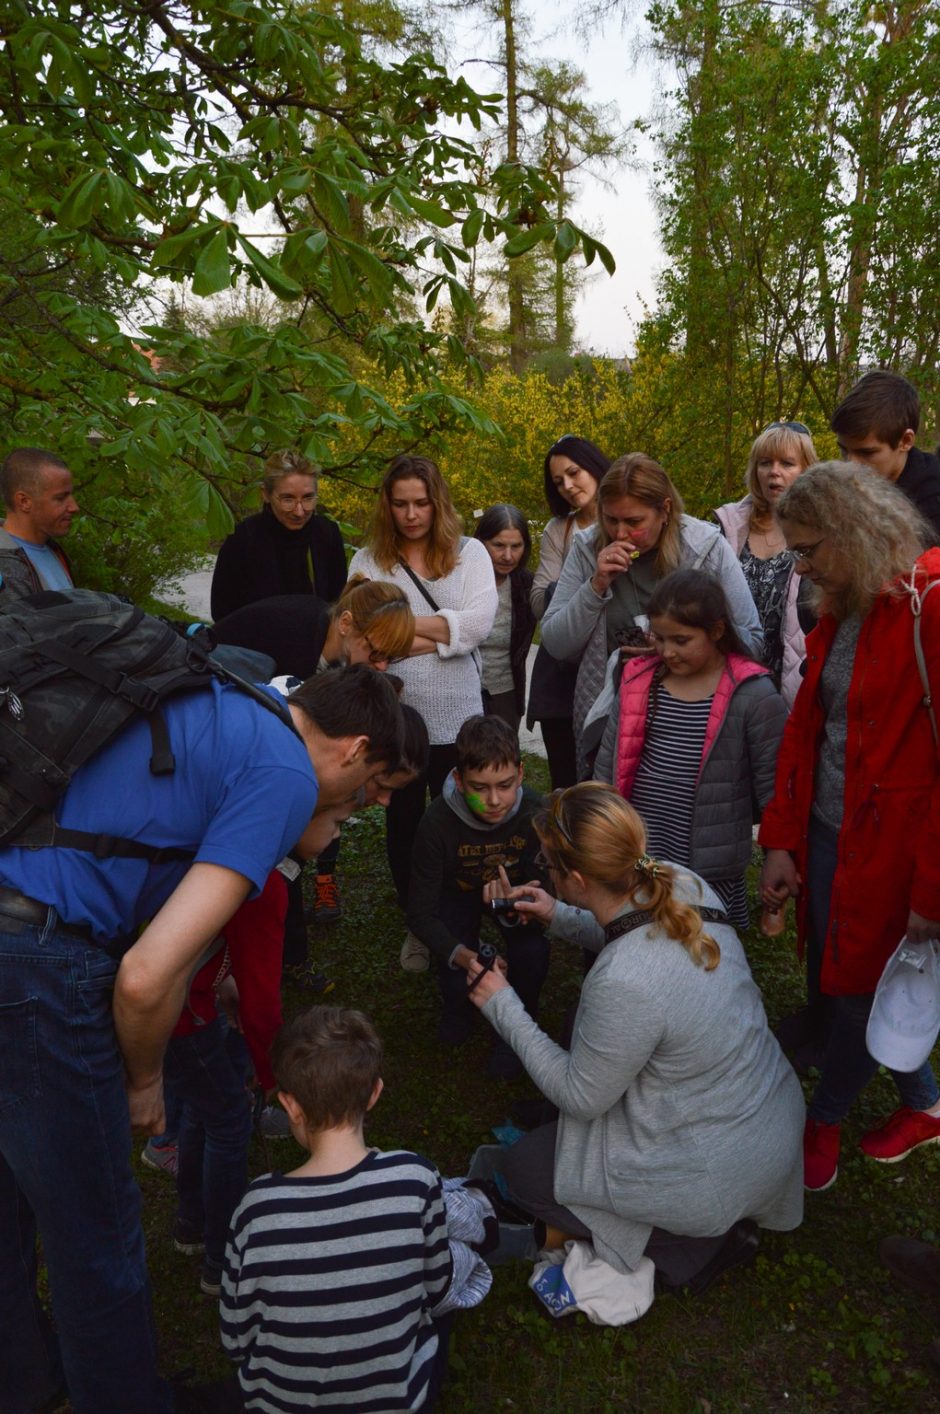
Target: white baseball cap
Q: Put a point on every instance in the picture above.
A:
(905, 1014)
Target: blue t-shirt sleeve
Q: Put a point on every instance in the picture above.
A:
(263, 815)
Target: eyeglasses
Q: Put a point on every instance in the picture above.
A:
(789, 426)
(377, 655)
(542, 861)
(807, 553)
(288, 503)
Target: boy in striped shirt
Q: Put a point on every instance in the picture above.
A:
(332, 1271)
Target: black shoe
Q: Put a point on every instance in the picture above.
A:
(740, 1246)
(503, 1063)
(532, 1113)
(456, 1027)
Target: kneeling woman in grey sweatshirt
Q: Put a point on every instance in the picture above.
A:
(680, 1121)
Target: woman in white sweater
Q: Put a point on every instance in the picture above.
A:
(415, 542)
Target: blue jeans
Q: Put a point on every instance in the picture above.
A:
(848, 1067)
(65, 1167)
(215, 1129)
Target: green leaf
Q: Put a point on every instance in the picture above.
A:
(430, 211)
(470, 231)
(565, 240)
(526, 239)
(78, 204)
(213, 271)
(273, 276)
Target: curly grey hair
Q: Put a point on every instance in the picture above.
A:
(871, 525)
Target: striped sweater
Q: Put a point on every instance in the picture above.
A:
(329, 1284)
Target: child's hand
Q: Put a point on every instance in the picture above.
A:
(498, 888)
(492, 980)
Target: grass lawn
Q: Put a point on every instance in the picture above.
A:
(815, 1324)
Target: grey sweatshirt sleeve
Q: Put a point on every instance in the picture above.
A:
(723, 563)
(575, 608)
(764, 724)
(576, 925)
(607, 751)
(616, 1032)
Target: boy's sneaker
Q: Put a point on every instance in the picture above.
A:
(905, 1131)
(162, 1157)
(210, 1280)
(414, 956)
(275, 1123)
(326, 906)
(306, 976)
(820, 1155)
(188, 1240)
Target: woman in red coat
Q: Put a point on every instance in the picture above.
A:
(854, 825)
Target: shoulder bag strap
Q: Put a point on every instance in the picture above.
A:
(917, 609)
(418, 585)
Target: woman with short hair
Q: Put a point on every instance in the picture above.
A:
(778, 456)
(853, 828)
(679, 1118)
(286, 548)
(642, 534)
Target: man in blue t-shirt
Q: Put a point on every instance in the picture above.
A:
(87, 1005)
(36, 487)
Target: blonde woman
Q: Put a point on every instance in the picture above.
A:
(642, 534)
(369, 623)
(778, 456)
(286, 548)
(679, 1118)
(415, 543)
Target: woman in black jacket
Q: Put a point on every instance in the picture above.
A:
(286, 548)
(504, 531)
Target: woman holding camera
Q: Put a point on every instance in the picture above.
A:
(679, 1118)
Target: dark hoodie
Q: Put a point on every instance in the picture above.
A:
(455, 854)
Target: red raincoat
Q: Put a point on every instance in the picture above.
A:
(889, 843)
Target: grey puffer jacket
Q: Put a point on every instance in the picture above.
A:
(739, 760)
(574, 627)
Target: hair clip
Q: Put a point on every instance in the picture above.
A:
(646, 865)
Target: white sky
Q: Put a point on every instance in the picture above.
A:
(624, 217)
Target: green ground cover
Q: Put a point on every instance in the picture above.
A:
(815, 1324)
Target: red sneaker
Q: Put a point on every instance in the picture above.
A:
(902, 1133)
(820, 1155)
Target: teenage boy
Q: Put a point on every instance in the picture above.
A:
(88, 1007)
(481, 821)
(332, 1271)
(876, 424)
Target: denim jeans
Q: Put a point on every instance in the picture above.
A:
(65, 1167)
(215, 1129)
(848, 1067)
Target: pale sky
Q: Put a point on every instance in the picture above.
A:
(623, 217)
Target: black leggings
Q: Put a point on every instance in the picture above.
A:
(404, 815)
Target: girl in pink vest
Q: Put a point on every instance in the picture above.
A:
(692, 742)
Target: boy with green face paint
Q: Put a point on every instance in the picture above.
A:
(482, 821)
